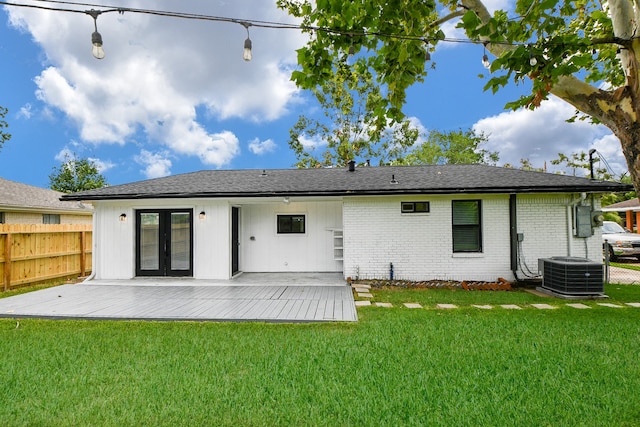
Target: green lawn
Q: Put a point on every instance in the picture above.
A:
(394, 367)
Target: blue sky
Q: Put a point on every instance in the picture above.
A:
(174, 96)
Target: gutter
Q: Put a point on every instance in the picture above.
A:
(383, 192)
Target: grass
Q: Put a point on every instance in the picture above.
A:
(393, 367)
(625, 265)
(461, 297)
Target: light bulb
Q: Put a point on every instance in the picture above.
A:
(485, 61)
(533, 61)
(96, 41)
(246, 54)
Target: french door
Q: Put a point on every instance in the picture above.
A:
(164, 242)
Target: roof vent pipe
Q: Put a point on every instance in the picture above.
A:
(352, 165)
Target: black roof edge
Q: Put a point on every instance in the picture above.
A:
(391, 192)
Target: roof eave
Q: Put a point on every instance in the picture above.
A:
(378, 192)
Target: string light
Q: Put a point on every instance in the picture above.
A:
(246, 53)
(485, 59)
(96, 38)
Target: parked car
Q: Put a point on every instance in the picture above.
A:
(620, 242)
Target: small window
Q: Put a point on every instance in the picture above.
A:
(291, 224)
(467, 225)
(2, 220)
(414, 207)
(50, 219)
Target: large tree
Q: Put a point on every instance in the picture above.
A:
(347, 127)
(454, 147)
(585, 52)
(75, 175)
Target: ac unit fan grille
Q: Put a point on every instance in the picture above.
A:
(572, 276)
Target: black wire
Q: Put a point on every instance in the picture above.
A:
(250, 22)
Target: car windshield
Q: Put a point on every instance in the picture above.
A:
(612, 227)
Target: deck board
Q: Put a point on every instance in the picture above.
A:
(187, 300)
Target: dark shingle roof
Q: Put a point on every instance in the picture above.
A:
(16, 196)
(432, 179)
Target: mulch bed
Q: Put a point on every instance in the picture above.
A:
(500, 285)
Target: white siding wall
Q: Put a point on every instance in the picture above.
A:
(212, 240)
(13, 217)
(115, 240)
(376, 234)
(269, 251)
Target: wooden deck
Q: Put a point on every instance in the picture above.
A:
(131, 300)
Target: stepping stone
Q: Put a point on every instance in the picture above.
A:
(365, 295)
(578, 305)
(511, 307)
(359, 289)
(608, 304)
(384, 304)
(362, 303)
(447, 306)
(633, 304)
(544, 306)
(484, 307)
(412, 305)
(361, 285)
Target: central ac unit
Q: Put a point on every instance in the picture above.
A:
(571, 276)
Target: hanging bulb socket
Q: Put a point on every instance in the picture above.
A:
(485, 59)
(96, 38)
(247, 55)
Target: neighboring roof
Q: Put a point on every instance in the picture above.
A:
(432, 179)
(15, 196)
(627, 205)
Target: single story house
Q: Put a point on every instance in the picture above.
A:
(26, 204)
(630, 210)
(446, 222)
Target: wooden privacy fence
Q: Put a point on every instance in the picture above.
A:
(31, 253)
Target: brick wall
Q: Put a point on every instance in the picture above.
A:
(377, 234)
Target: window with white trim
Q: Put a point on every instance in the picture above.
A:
(414, 207)
(50, 218)
(467, 225)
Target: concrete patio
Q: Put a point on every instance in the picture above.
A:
(264, 297)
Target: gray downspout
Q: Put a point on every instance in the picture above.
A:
(513, 234)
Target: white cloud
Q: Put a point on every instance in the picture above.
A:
(261, 147)
(158, 70)
(64, 155)
(102, 165)
(311, 143)
(155, 165)
(541, 134)
(25, 111)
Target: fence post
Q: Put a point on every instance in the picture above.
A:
(7, 262)
(606, 261)
(82, 254)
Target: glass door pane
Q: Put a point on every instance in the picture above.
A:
(180, 241)
(149, 241)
